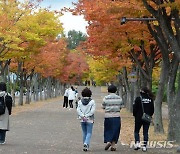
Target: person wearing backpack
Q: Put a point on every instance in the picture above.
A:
(5, 111)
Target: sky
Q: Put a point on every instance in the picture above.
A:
(69, 21)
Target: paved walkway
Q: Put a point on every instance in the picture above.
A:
(54, 130)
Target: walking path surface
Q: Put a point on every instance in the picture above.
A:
(51, 129)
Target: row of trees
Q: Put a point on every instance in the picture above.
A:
(139, 47)
(35, 56)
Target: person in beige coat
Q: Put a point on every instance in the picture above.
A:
(4, 118)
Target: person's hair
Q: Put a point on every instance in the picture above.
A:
(86, 92)
(112, 89)
(147, 91)
(72, 88)
(2, 86)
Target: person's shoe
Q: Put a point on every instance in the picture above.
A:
(107, 146)
(113, 149)
(2, 142)
(85, 147)
(144, 149)
(137, 146)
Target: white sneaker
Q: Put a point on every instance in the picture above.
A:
(137, 146)
(144, 149)
(1, 143)
(85, 147)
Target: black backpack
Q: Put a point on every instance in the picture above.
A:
(2, 105)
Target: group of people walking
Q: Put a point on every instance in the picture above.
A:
(86, 106)
(69, 96)
(112, 104)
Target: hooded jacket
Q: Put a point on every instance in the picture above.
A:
(86, 108)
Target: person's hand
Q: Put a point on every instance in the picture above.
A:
(84, 119)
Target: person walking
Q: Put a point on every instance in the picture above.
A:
(5, 107)
(86, 109)
(65, 103)
(71, 96)
(142, 103)
(112, 122)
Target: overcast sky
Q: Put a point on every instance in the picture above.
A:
(69, 21)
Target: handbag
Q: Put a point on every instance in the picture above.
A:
(145, 117)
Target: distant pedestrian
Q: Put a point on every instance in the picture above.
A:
(76, 91)
(142, 103)
(112, 121)
(65, 103)
(76, 96)
(85, 110)
(6, 99)
(71, 96)
(94, 83)
(77, 100)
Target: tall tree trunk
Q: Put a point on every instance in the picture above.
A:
(28, 94)
(49, 88)
(13, 97)
(36, 88)
(174, 119)
(40, 91)
(174, 103)
(158, 124)
(21, 96)
(13, 89)
(127, 88)
(21, 84)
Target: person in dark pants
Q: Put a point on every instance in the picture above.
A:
(112, 104)
(71, 96)
(146, 97)
(4, 118)
(65, 103)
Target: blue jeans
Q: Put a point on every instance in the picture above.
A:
(87, 132)
(2, 135)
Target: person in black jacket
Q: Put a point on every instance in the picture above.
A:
(146, 97)
(4, 118)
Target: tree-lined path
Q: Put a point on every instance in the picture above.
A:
(50, 129)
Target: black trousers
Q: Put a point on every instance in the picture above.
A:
(137, 128)
(71, 103)
(2, 135)
(65, 103)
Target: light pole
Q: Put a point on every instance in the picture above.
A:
(125, 19)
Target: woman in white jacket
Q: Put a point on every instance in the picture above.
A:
(85, 110)
(71, 96)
